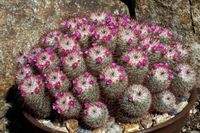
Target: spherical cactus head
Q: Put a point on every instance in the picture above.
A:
(73, 64)
(31, 85)
(34, 99)
(159, 78)
(83, 35)
(22, 59)
(56, 81)
(50, 39)
(184, 80)
(95, 114)
(97, 58)
(66, 105)
(86, 88)
(171, 56)
(136, 64)
(46, 60)
(97, 17)
(126, 40)
(67, 45)
(23, 72)
(73, 22)
(183, 51)
(106, 36)
(136, 100)
(114, 80)
(32, 54)
(163, 102)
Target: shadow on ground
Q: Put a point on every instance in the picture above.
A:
(17, 123)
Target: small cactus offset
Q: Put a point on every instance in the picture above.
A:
(66, 105)
(159, 77)
(86, 88)
(114, 80)
(184, 80)
(136, 68)
(56, 81)
(136, 100)
(51, 39)
(95, 114)
(164, 102)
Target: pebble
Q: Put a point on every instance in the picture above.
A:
(99, 130)
(115, 128)
(47, 123)
(147, 121)
(72, 125)
(195, 131)
(181, 106)
(162, 118)
(129, 128)
(81, 130)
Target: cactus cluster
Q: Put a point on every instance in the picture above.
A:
(91, 61)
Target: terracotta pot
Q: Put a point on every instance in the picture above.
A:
(173, 125)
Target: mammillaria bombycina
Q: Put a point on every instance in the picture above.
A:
(136, 65)
(66, 105)
(136, 101)
(33, 95)
(86, 88)
(98, 57)
(159, 77)
(46, 60)
(136, 68)
(56, 81)
(164, 102)
(95, 114)
(73, 64)
(184, 80)
(114, 80)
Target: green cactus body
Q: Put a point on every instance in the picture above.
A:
(35, 100)
(95, 114)
(73, 64)
(114, 80)
(97, 58)
(86, 88)
(184, 80)
(56, 81)
(136, 100)
(136, 65)
(66, 105)
(159, 78)
(163, 102)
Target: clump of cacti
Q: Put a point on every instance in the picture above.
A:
(95, 114)
(134, 67)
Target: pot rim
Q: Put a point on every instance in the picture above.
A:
(192, 100)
